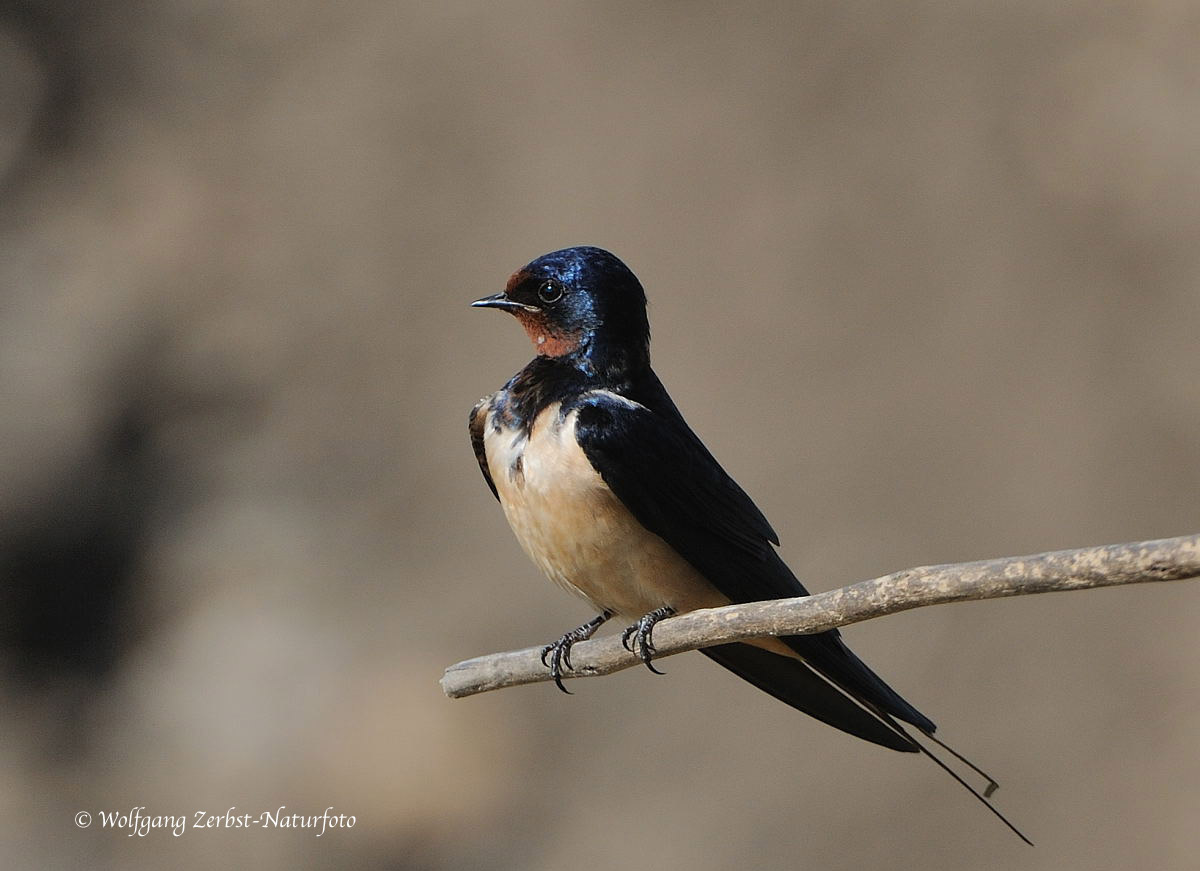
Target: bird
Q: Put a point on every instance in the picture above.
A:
(616, 500)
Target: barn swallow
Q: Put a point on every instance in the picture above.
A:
(616, 500)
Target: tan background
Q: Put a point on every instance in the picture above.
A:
(923, 275)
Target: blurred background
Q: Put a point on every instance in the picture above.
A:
(924, 276)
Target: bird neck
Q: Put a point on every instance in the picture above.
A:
(546, 380)
(611, 361)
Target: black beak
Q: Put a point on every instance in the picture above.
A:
(500, 300)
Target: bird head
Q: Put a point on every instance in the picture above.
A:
(581, 304)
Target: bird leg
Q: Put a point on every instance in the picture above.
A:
(559, 652)
(639, 635)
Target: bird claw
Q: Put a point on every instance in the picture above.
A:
(638, 638)
(558, 653)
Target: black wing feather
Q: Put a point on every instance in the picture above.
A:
(477, 420)
(675, 488)
(795, 684)
(669, 481)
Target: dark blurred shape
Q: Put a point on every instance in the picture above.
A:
(51, 32)
(68, 563)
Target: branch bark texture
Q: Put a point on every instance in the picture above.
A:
(1168, 559)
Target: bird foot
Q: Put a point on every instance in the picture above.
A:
(558, 653)
(638, 637)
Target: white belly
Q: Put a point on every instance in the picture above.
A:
(577, 532)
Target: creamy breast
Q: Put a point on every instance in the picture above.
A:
(576, 530)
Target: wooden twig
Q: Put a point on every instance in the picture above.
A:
(1168, 559)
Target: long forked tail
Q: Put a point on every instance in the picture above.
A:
(983, 797)
(841, 691)
(851, 675)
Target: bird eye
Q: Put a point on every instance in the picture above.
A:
(550, 291)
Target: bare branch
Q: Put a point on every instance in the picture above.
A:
(1168, 559)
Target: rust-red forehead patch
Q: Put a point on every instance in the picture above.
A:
(515, 279)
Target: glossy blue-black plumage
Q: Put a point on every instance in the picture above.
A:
(602, 298)
(635, 438)
(586, 313)
(661, 471)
